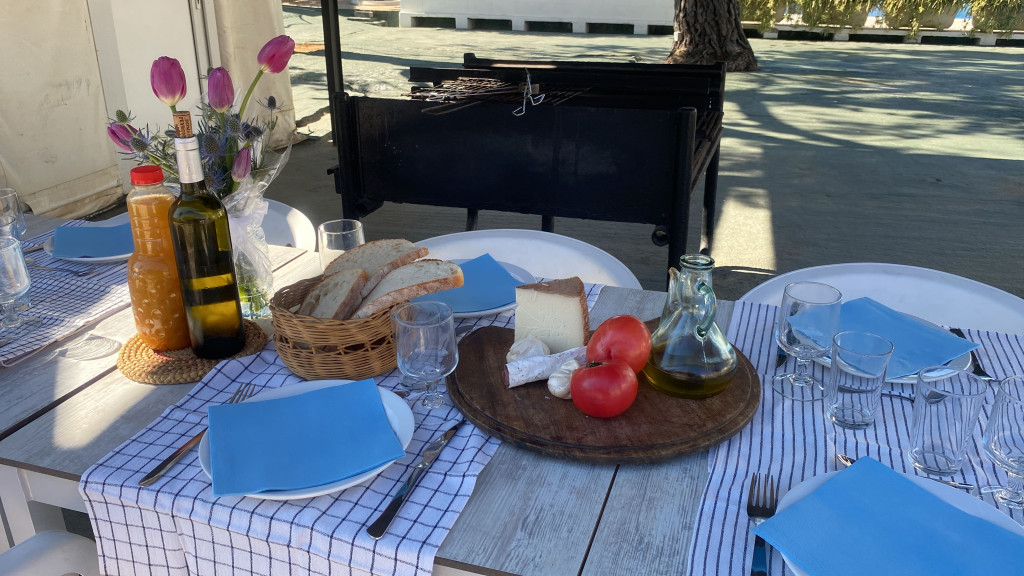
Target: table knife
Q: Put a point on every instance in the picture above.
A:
(380, 525)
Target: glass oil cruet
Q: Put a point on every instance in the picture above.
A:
(690, 356)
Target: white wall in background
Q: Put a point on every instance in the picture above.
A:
(640, 13)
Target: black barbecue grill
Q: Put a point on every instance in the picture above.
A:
(624, 142)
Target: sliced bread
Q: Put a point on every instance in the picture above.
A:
(336, 296)
(409, 281)
(378, 258)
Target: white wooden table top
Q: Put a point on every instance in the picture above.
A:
(530, 514)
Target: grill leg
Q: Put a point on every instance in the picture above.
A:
(710, 193)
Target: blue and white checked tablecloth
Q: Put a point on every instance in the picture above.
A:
(62, 303)
(793, 441)
(177, 527)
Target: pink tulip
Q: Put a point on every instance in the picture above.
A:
(121, 135)
(168, 80)
(221, 90)
(243, 164)
(274, 55)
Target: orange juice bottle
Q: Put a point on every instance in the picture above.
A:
(152, 272)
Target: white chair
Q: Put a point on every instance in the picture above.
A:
(51, 553)
(286, 226)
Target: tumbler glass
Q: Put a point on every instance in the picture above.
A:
(853, 391)
(947, 404)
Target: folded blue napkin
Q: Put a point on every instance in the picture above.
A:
(486, 285)
(92, 241)
(869, 519)
(301, 441)
(915, 344)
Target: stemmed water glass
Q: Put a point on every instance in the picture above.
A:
(425, 344)
(1003, 441)
(12, 219)
(808, 319)
(14, 280)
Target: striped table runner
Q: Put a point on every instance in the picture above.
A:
(793, 441)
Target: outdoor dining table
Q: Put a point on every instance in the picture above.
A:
(529, 513)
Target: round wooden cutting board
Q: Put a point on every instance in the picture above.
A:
(655, 428)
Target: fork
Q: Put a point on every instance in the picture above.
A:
(244, 392)
(761, 503)
(79, 273)
(975, 364)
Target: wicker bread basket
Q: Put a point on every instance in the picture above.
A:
(320, 348)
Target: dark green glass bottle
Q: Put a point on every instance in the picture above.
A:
(202, 250)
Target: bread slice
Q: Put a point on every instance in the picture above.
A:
(336, 296)
(378, 258)
(409, 281)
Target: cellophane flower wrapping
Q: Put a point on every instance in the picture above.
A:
(246, 209)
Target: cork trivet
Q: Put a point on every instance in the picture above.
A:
(140, 363)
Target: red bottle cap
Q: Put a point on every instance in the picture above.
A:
(143, 175)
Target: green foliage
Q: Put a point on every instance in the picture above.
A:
(988, 15)
(835, 13)
(996, 15)
(764, 12)
(912, 13)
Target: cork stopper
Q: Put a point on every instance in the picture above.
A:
(183, 124)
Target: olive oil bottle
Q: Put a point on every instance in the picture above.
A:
(202, 250)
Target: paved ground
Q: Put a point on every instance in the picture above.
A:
(833, 152)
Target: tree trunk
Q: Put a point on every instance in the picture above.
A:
(709, 31)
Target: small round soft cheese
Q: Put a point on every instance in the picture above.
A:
(527, 348)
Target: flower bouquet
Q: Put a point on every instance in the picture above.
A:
(237, 166)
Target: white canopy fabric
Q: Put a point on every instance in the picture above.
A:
(53, 145)
(68, 65)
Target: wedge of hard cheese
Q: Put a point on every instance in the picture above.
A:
(409, 281)
(378, 258)
(554, 312)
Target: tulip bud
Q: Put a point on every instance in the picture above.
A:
(243, 164)
(274, 55)
(121, 135)
(221, 90)
(168, 80)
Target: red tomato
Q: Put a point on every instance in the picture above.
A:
(623, 338)
(603, 390)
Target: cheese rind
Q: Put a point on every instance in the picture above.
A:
(554, 312)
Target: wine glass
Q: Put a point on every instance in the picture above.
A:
(14, 280)
(808, 319)
(425, 344)
(12, 219)
(335, 237)
(1003, 441)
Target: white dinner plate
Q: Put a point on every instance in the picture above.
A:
(48, 248)
(953, 496)
(961, 363)
(939, 297)
(544, 254)
(399, 416)
(518, 273)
